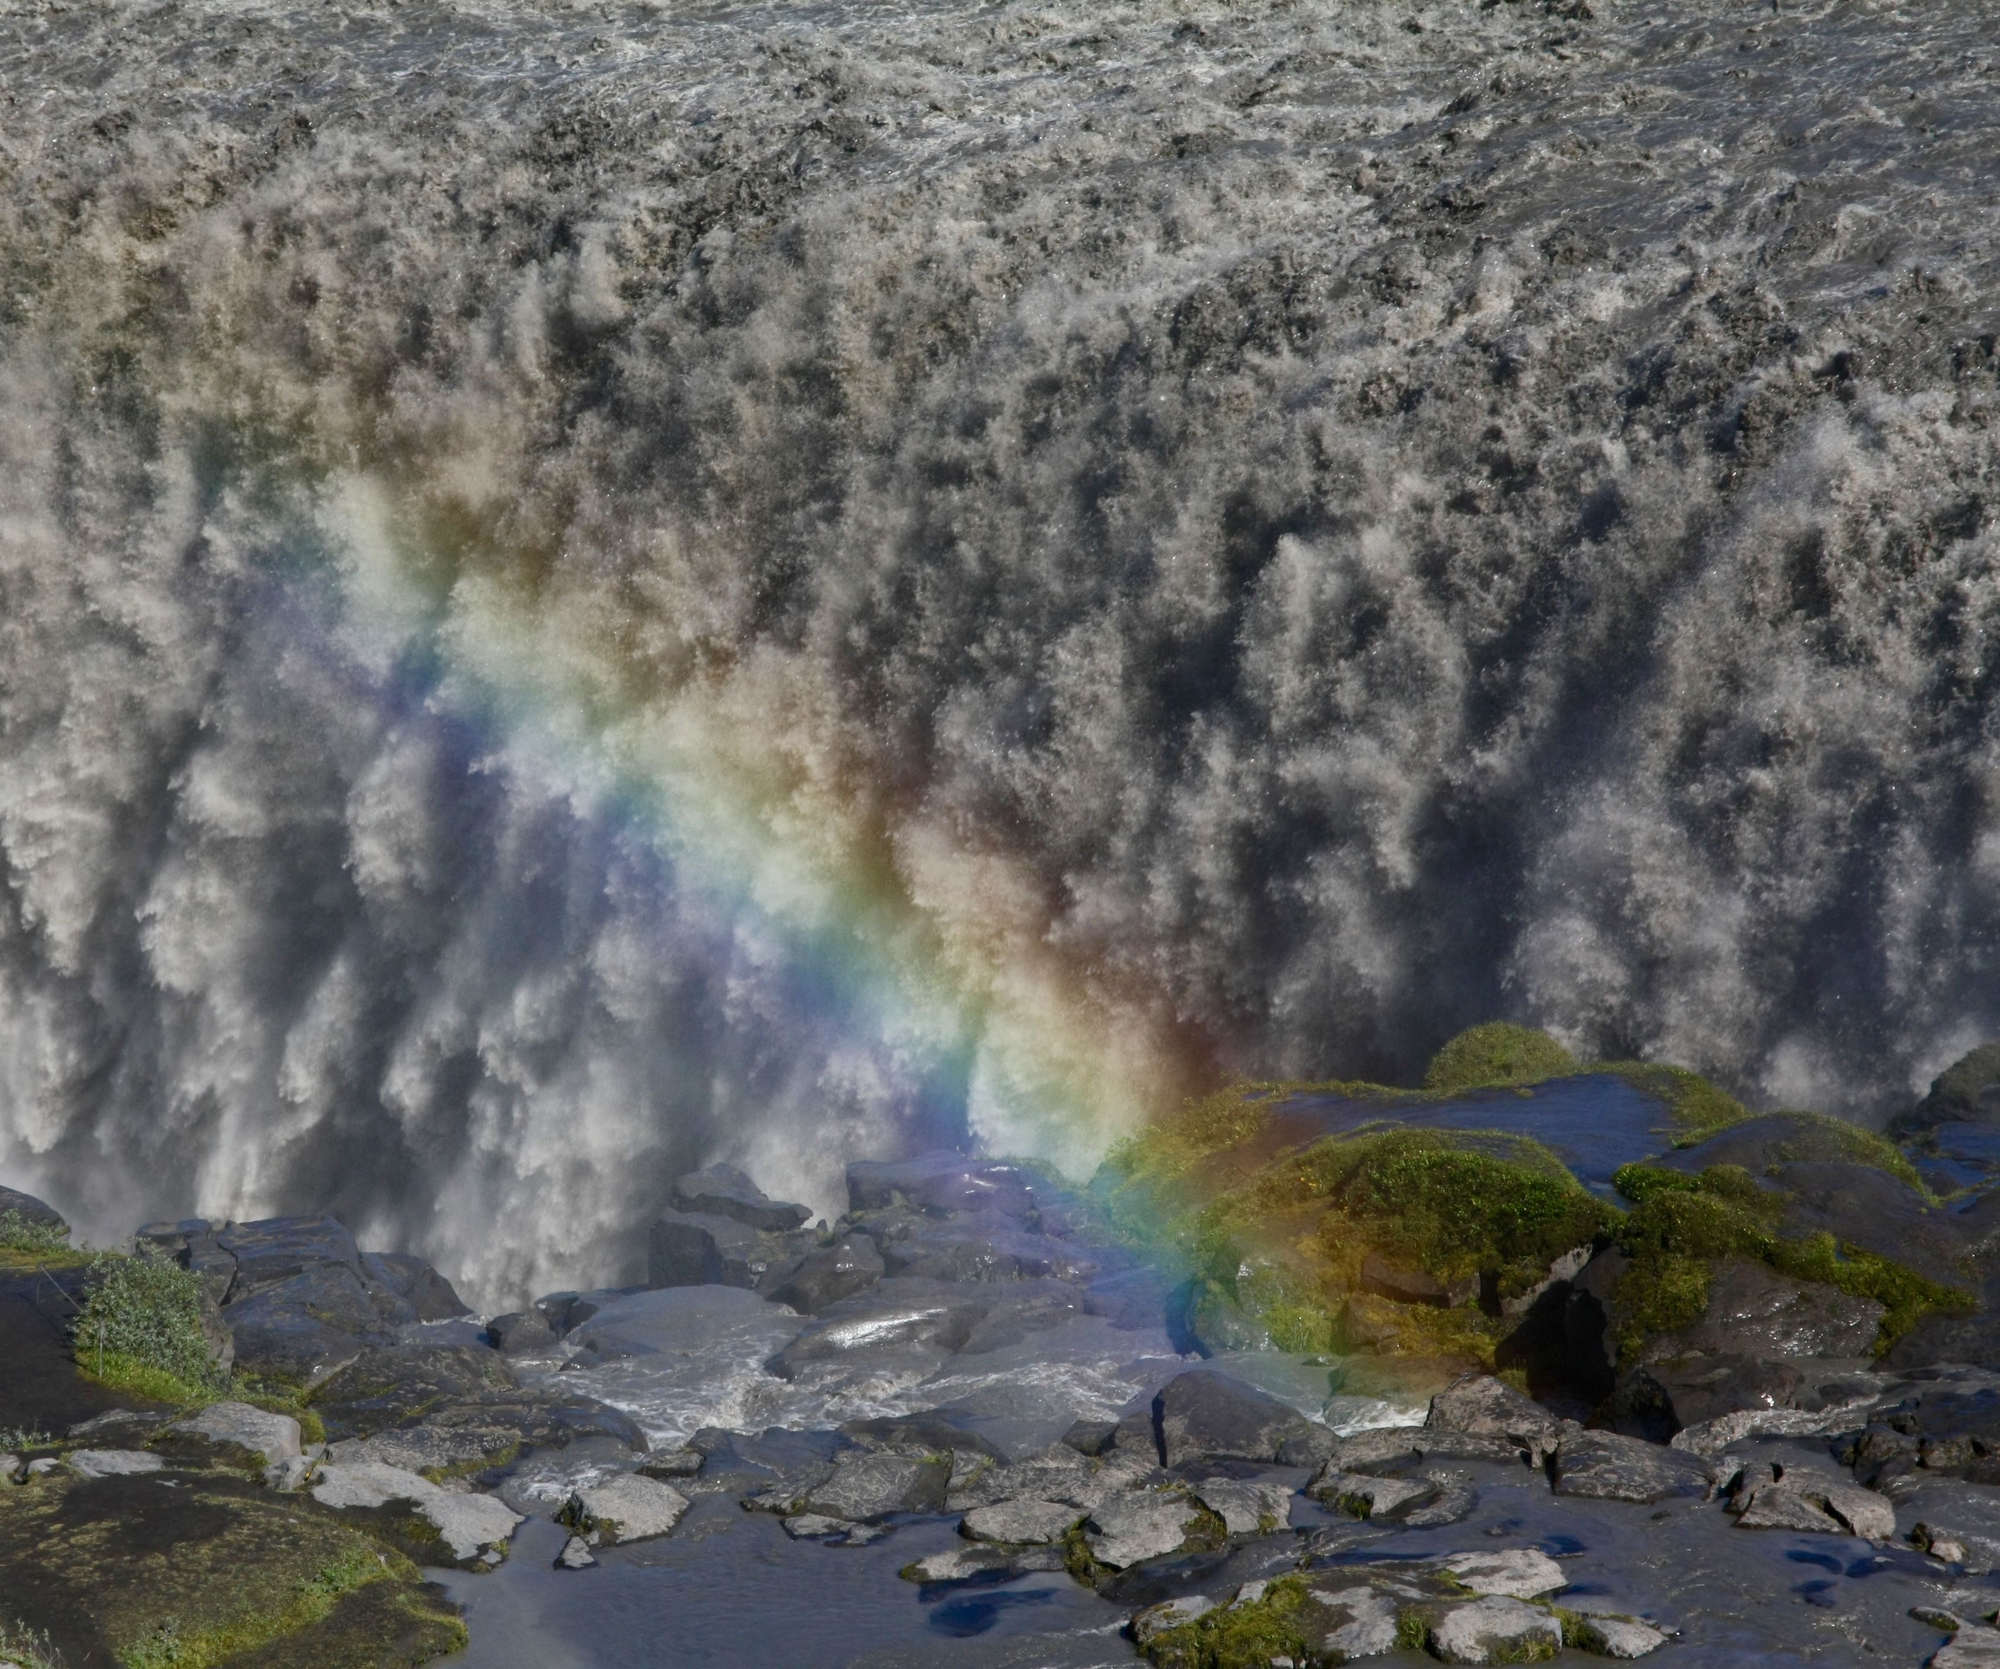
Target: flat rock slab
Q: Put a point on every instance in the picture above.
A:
(1511, 1573)
(724, 1191)
(1496, 1630)
(1973, 1649)
(1774, 1507)
(872, 1486)
(1021, 1522)
(1619, 1637)
(1129, 1528)
(627, 1508)
(112, 1463)
(468, 1524)
(1602, 1466)
(1246, 1508)
(1358, 1622)
(966, 1564)
(1483, 1406)
(237, 1424)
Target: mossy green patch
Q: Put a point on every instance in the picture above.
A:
(203, 1569)
(1680, 1224)
(1249, 1636)
(1697, 1106)
(121, 1372)
(1494, 1056)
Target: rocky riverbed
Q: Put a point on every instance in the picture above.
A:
(981, 1419)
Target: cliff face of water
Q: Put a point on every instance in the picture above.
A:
(1291, 530)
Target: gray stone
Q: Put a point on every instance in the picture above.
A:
(1370, 1497)
(626, 1508)
(1128, 1528)
(575, 1555)
(412, 1281)
(942, 1182)
(1972, 1649)
(471, 1525)
(1618, 1637)
(672, 1463)
(1021, 1521)
(932, 1431)
(108, 1463)
(287, 1476)
(865, 1486)
(1512, 1573)
(813, 1526)
(1773, 1506)
(965, 1564)
(1155, 1620)
(273, 1437)
(1483, 1406)
(724, 1191)
(304, 1326)
(1604, 1466)
(276, 1249)
(1359, 1622)
(427, 1448)
(1495, 1630)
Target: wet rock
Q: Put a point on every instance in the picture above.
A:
(901, 1325)
(108, 1463)
(1971, 1649)
(1589, 1357)
(627, 1508)
(1495, 1631)
(941, 1183)
(1133, 1299)
(1246, 1507)
(1129, 1528)
(275, 1249)
(1757, 1314)
(1371, 1497)
(1415, 1286)
(1091, 1437)
(1057, 1473)
(1398, 1448)
(933, 1431)
(575, 1555)
(724, 1191)
(1601, 1465)
(865, 1487)
(429, 1448)
(238, 1427)
(1773, 1506)
(967, 1564)
(1203, 1413)
(521, 1333)
(1967, 1091)
(1511, 1573)
(1022, 1521)
(825, 1277)
(1155, 1620)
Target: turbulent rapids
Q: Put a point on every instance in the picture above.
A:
(588, 589)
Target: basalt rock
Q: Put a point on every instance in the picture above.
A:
(724, 1191)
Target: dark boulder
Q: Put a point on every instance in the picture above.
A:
(1966, 1092)
(275, 1249)
(302, 1327)
(410, 1279)
(1607, 1466)
(827, 1276)
(724, 1191)
(686, 1250)
(1484, 1406)
(31, 1210)
(521, 1333)
(1755, 1312)
(387, 1385)
(1203, 1414)
(1862, 1206)
(1132, 1300)
(896, 1325)
(1589, 1351)
(1972, 1340)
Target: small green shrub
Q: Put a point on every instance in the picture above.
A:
(27, 1647)
(141, 1329)
(1494, 1055)
(24, 1234)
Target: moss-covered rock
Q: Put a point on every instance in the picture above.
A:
(202, 1570)
(1683, 1224)
(1496, 1055)
(1967, 1091)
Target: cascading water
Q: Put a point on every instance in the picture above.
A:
(589, 588)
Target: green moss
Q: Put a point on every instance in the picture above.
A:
(121, 1372)
(143, 1316)
(1681, 1224)
(1241, 1636)
(1495, 1055)
(1413, 1632)
(1698, 1107)
(1822, 1138)
(215, 1573)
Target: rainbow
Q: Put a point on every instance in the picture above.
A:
(936, 940)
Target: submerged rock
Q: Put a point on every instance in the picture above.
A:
(625, 1509)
